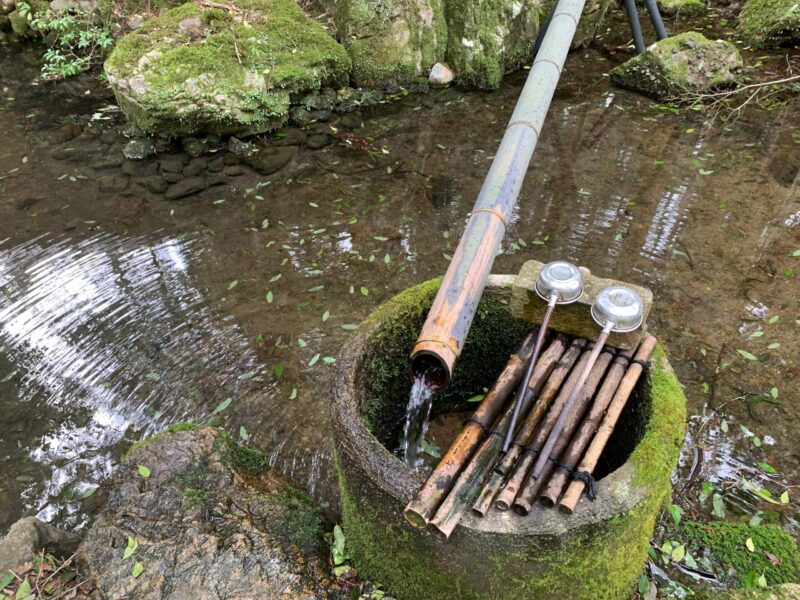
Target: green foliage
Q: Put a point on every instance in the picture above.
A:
(75, 42)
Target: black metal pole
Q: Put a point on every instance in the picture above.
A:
(655, 18)
(636, 29)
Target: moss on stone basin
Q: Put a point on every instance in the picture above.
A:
(227, 70)
(596, 553)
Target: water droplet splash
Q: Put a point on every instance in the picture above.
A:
(416, 425)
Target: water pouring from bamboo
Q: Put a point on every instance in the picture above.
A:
(559, 282)
(438, 484)
(617, 309)
(468, 484)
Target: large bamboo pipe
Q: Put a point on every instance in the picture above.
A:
(439, 482)
(442, 337)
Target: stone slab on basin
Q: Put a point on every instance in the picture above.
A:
(573, 319)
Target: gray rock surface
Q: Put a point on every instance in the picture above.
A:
(185, 187)
(211, 521)
(440, 75)
(29, 535)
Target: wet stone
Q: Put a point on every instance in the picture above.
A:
(139, 149)
(185, 188)
(171, 165)
(172, 177)
(270, 160)
(320, 140)
(291, 137)
(351, 122)
(61, 153)
(109, 137)
(115, 183)
(215, 179)
(154, 183)
(234, 170)
(194, 147)
(215, 165)
(107, 163)
(134, 168)
(195, 167)
(239, 148)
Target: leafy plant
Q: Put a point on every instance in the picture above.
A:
(76, 42)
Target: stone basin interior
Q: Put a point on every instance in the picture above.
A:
(494, 336)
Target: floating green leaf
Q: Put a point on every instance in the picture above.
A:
(773, 346)
(293, 395)
(277, 370)
(313, 360)
(233, 284)
(718, 506)
(264, 223)
(364, 291)
(785, 497)
(774, 393)
(325, 316)
(222, 406)
(477, 398)
(144, 471)
(8, 377)
(746, 354)
(269, 297)
(767, 468)
(275, 278)
(133, 544)
(349, 326)
(678, 553)
(431, 449)
(750, 545)
(137, 570)
(89, 491)
(243, 435)
(329, 360)
(724, 426)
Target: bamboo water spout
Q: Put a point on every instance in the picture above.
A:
(442, 337)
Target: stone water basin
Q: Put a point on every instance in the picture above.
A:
(597, 552)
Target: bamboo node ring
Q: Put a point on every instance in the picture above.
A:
(492, 211)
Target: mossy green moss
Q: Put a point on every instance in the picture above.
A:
(391, 42)
(185, 426)
(726, 542)
(685, 8)
(195, 68)
(770, 22)
(487, 39)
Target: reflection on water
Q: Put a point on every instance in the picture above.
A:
(103, 338)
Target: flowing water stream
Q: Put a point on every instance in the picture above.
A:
(122, 312)
(416, 424)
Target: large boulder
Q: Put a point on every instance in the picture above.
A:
(391, 42)
(770, 22)
(685, 63)
(210, 520)
(225, 68)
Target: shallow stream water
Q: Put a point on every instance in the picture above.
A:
(122, 312)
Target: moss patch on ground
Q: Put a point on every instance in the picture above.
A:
(727, 544)
(770, 22)
(684, 8)
(222, 70)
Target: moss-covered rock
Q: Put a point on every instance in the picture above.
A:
(770, 22)
(684, 8)
(597, 553)
(685, 63)
(489, 37)
(226, 71)
(391, 42)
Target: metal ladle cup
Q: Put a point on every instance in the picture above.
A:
(559, 282)
(618, 309)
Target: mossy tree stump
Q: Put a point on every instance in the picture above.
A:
(596, 553)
